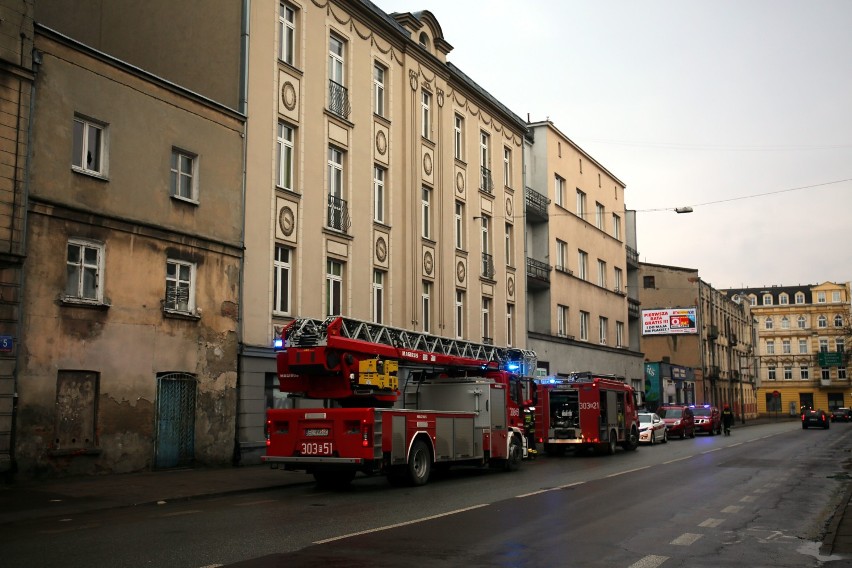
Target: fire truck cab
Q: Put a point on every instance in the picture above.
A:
(585, 411)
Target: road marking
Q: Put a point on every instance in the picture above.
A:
(711, 523)
(686, 539)
(71, 529)
(650, 561)
(732, 509)
(748, 499)
(711, 451)
(677, 460)
(548, 489)
(180, 513)
(628, 471)
(735, 445)
(406, 523)
(261, 502)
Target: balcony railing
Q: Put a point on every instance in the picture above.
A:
(338, 214)
(487, 266)
(338, 99)
(633, 307)
(486, 184)
(538, 269)
(632, 256)
(536, 203)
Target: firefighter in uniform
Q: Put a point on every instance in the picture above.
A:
(529, 430)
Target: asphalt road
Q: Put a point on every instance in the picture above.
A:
(762, 497)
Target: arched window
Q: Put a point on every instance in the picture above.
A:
(801, 322)
(785, 323)
(838, 321)
(767, 299)
(783, 299)
(752, 299)
(768, 323)
(822, 321)
(424, 41)
(800, 298)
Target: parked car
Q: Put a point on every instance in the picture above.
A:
(841, 415)
(679, 419)
(708, 419)
(811, 417)
(652, 429)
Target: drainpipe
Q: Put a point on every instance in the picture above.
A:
(243, 108)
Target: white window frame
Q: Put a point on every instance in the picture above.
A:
(823, 345)
(767, 299)
(771, 372)
(282, 280)
(459, 225)
(800, 298)
(183, 277)
(379, 175)
(561, 255)
(801, 322)
(788, 372)
(581, 204)
(822, 321)
(426, 114)
(582, 265)
(77, 271)
(458, 137)
(485, 161)
(510, 325)
(770, 347)
(510, 242)
(287, 33)
(783, 300)
(616, 226)
(619, 279)
(379, 74)
(333, 287)
(786, 347)
(769, 323)
(86, 135)
(835, 296)
(507, 166)
(426, 307)
(559, 190)
(183, 177)
(562, 315)
(378, 296)
(601, 273)
(838, 320)
(785, 322)
(821, 299)
(804, 372)
(426, 210)
(603, 329)
(459, 314)
(284, 144)
(619, 334)
(803, 346)
(337, 59)
(599, 216)
(584, 326)
(486, 320)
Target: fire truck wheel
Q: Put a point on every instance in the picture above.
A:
(516, 455)
(419, 463)
(334, 479)
(632, 441)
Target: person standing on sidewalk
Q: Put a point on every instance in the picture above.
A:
(727, 419)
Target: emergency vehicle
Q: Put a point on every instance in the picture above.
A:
(585, 410)
(379, 400)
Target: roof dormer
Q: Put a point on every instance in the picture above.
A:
(425, 30)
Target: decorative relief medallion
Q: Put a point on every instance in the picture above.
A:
(288, 95)
(427, 164)
(440, 97)
(286, 220)
(381, 142)
(381, 249)
(509, 208)
(428, 263)
(460, 272)
(510, 286)
(412, 80)
(459, 182)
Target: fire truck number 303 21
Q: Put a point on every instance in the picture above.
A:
(590, 405)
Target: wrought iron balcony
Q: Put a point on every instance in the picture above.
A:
(487, 266)
(633, 307)
(632, 257)
(338, 99)
(337, 217)
(536, 204)
(486, 184)
(538, 271)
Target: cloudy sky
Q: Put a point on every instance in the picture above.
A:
(741, 110)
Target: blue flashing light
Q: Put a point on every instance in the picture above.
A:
(512, 366)
(278, 343)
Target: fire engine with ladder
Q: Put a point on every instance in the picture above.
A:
(379, 400)
(585, 411)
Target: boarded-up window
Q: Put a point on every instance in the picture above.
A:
(76, 409)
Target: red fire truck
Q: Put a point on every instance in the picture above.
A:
(379, 400)
(585, 410)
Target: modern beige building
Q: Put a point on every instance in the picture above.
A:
(577, 261)
(131, 287)
(720, 351)
(803, 341)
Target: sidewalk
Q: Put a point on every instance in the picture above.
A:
(27, 500)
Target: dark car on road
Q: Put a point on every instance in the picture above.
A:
(841, 415)
(679, 419)
(708, 419)
(811, 417)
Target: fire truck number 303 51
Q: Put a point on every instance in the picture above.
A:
(589, 405)
(316, 448)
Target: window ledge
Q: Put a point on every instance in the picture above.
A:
(175, 314)
(89, 173)
(185, 199)
(83, 303)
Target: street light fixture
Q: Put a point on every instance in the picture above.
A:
(683, 210)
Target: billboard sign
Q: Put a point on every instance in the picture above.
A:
(669, 321)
